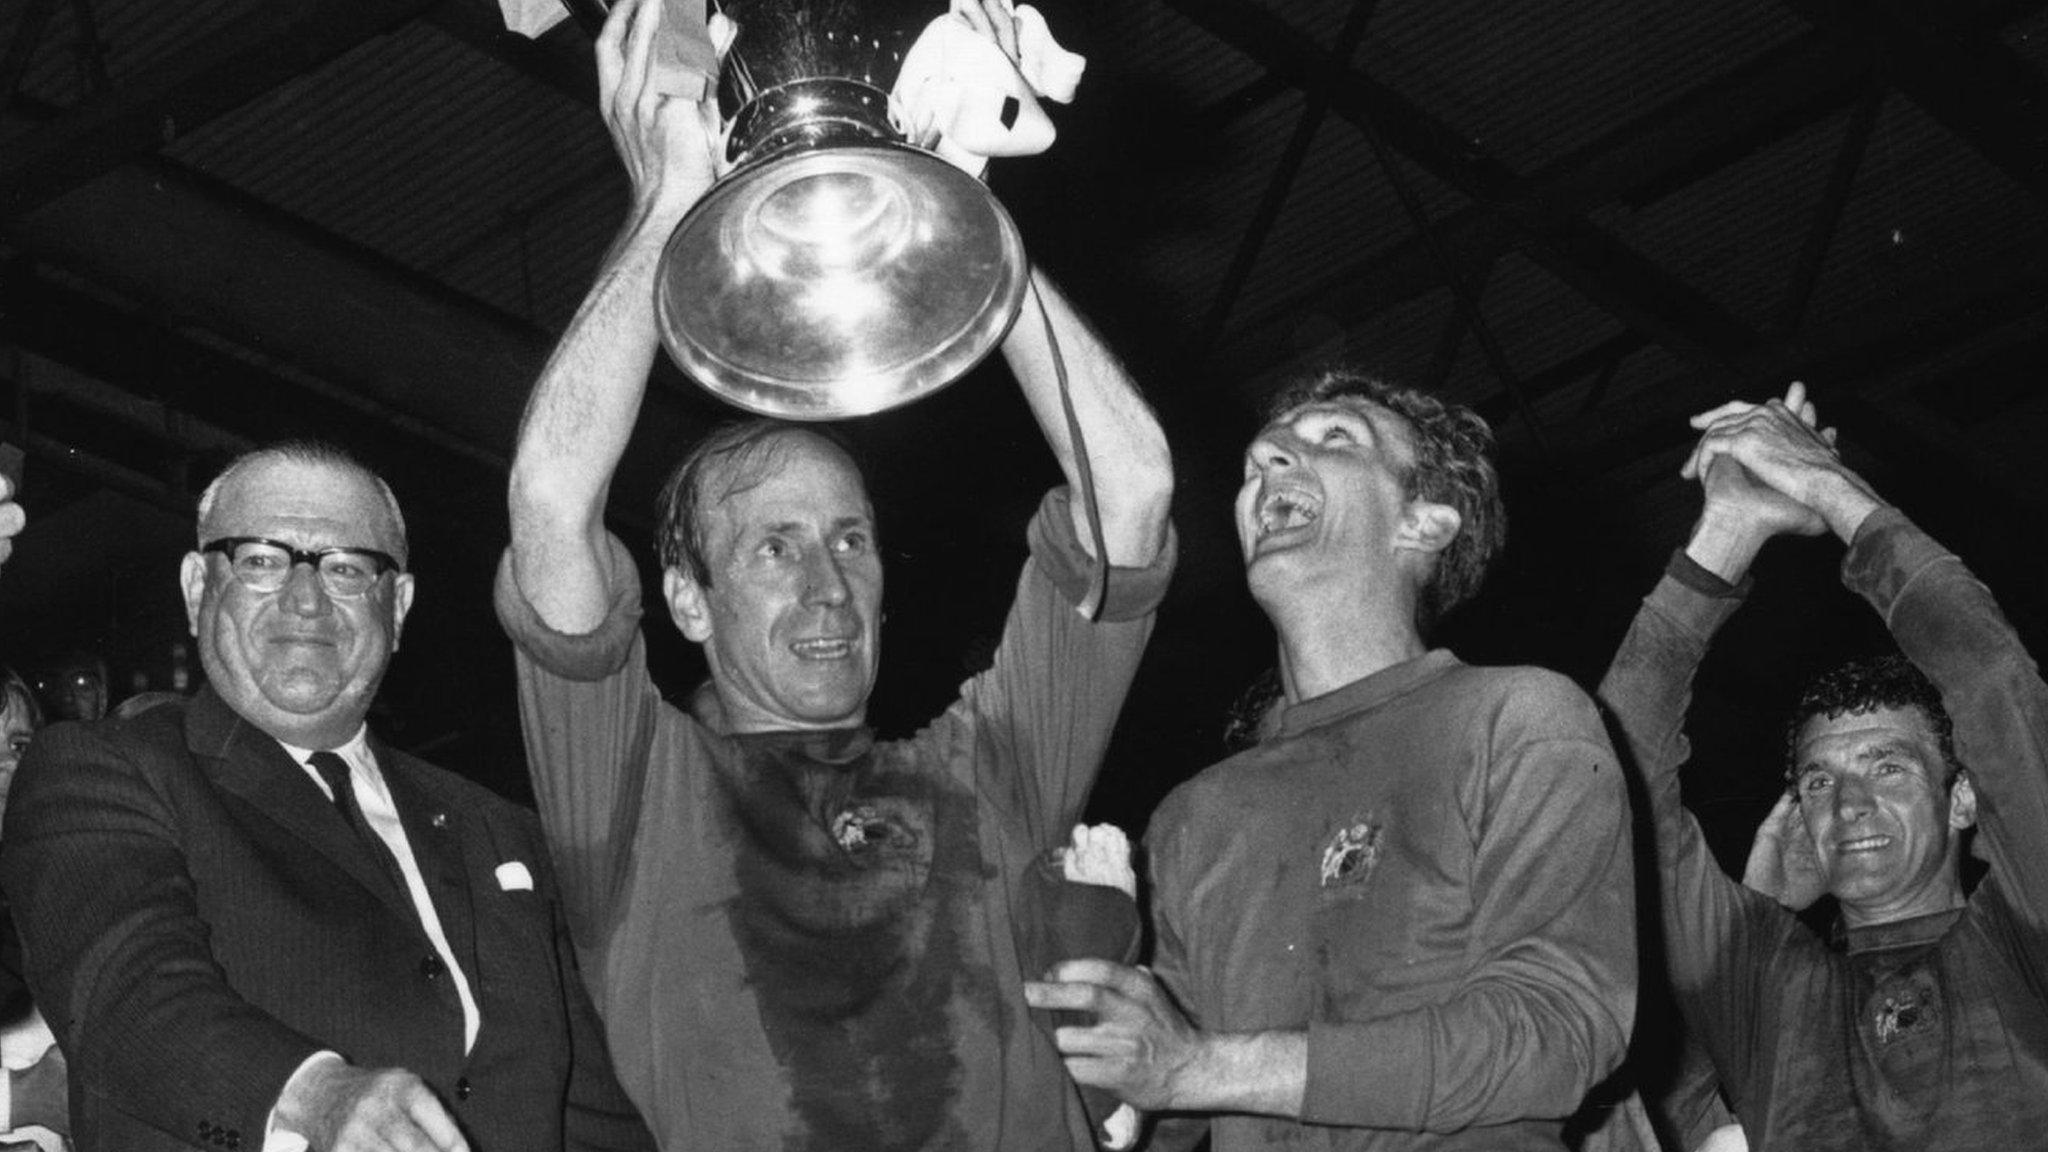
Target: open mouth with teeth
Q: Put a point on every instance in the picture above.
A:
(822, 649)
(1286, 510)
(1862, 844)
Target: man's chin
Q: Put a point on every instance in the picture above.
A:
(314, 703)
(1858, 887)
(835, 705)
(836, 712)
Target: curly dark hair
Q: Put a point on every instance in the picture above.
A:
(732, 458)
(1860, 686)
(1255, 715)
(1454, 466)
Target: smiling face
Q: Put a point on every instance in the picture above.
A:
(1874, 790)
(1324, 498)
(298, 663)
(789, 620)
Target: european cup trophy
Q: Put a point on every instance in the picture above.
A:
(841, 266)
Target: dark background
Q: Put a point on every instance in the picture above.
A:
(229, 221)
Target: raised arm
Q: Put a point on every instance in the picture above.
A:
(584, 405)
(1648, 687)
(1127, 453)
(1947, 623)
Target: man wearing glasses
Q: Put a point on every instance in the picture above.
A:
(253, 924)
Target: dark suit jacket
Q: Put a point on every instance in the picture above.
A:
(197, 919)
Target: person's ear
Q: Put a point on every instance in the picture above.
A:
(687, 604)
(1962, 803)
(192, 579)
(401, 603)
(1427, 526)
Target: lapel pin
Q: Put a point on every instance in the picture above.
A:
(440, 820)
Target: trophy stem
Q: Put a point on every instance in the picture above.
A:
(803, 115)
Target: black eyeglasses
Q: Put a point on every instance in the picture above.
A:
(264, 565)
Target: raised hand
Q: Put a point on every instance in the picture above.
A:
(1780, 447)
(1782, 861)
(1734, 492)
(995, 19)
(667, 141)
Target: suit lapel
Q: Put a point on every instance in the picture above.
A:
(249, 763)
(433, 829)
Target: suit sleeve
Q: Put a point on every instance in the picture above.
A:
(1051, 698)
(1947, 623)
(117, 954)
(1545, 1011)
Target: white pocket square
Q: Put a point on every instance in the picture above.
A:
(513, 877)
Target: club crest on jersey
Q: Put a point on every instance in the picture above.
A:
(1351, 853)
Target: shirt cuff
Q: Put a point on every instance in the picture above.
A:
(1133, 592)
(276, 1139)
(1376, 1073)
(1694, 599)
(1696, 576)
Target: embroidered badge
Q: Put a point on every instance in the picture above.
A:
(1351, 854)
(1902, 1006)
(862, 827)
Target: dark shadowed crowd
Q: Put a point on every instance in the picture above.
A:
(1403, 916)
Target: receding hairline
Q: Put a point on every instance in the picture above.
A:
(738, 473)
(307, 456)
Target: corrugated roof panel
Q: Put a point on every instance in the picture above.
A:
(134, 36)
(414, 145)
(1538, 324)
(1925, 208)
(1536, 320)
(1738, 233)
(1203, 216)
(566, 255)
(1643, 373)
(1532, 81)
(1180, 63)
(2028, 37)
(1321, 20)
(541, 269)
(1340, 204)
(1469, 378)
(1342, 207)
(1398, 343)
